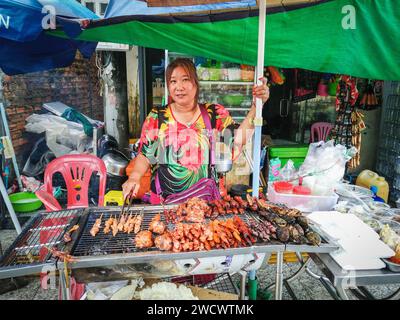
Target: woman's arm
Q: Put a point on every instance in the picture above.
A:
(141, 166)
(246, 128)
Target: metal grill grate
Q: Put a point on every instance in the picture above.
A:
(43, 230)
(103, 244)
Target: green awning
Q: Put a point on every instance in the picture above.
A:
(355, 37)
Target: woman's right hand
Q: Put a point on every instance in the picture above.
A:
(131, 186)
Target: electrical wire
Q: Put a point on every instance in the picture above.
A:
(101, 67)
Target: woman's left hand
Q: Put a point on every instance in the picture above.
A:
(261, 91)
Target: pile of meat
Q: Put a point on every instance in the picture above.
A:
(229, 233)
(144, 239)
(195, 209)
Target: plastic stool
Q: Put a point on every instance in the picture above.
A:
(114, 198)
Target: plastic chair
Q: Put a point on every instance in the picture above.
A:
(76, 170)
(321, 130)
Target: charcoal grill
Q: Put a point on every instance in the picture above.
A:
(106, 250)
(28, 254)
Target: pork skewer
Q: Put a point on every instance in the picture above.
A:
(114, 227)
(138, 222)
(108, 224)
(96, 226)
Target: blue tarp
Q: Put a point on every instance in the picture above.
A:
(25, 46)
(118, 8)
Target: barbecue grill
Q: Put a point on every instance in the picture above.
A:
(30, 254)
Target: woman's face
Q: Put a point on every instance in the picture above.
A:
(181, 89)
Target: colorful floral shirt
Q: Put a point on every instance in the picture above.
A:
(178, 153)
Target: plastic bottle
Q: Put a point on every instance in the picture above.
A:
(374, 189)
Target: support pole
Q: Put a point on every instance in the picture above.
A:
(14, 159)
(258, 121)
(279, 276)
(252, 285)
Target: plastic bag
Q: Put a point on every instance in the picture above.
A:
(325, 162)
(62, 136)
(39, 158)
(288, 172)
(104, 290)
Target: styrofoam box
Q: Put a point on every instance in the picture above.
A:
(302, 202)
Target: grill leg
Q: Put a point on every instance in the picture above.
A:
(64, 290)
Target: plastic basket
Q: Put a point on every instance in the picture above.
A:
(295, 153)
(303, 203)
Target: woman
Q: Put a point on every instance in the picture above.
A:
(174, 142)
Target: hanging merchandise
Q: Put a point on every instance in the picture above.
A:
(349, 123)
(357, 127)
(371, 96)
(333, 85)
(275, 76)
(306, 84)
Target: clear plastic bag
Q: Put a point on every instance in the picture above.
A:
(327, 163)
(62, 136)
(288, 172)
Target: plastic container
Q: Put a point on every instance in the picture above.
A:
(25, 202)
(303, 203)
(395, 226)
(247, 75)
(283, 187)
(395, 267)
(114, 198)
(373, 223)
(368, 178)
(297, 153)
(302, 190)
(234, 74)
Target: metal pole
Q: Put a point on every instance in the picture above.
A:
(9, 207)
(279, 276)
(258, 119)
(243, 275)
(14, 159)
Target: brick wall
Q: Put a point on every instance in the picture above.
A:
(76, 86)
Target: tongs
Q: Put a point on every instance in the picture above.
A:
(127, 198)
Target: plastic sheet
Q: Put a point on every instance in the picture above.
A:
(62, 136)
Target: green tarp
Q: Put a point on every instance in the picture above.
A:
(355, 37)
